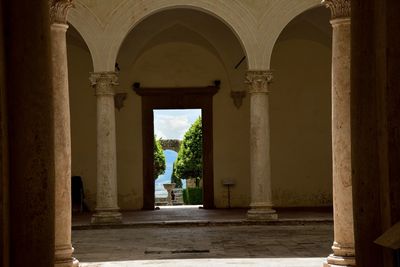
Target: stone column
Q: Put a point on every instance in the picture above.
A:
(62, 134)
(107, 210)
(260, 161)
(343, 245)
(29, 113)
(375, 119)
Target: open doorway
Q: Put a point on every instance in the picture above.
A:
(199, 98)
(178, 157)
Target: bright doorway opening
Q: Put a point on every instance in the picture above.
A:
(178, 157)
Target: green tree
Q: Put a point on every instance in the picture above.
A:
(159, 158)
(189, 163)
(174, 178)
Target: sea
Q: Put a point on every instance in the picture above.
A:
(170, 157)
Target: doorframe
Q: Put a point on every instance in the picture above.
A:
(177, 98)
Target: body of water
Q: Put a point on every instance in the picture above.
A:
(170, 157)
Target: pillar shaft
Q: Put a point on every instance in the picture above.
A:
(4, 176)
(260, 161)
(62, 134)
(29, 104)
(343, 246)
(107, 210)
(375, 120)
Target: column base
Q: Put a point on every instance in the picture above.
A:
(338, 261)
(107, 217)
(262, 214)
(63, 257)
(71, 263)
(75, 262)
(343, 255)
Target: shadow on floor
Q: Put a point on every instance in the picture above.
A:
(203, 242)
(177, 215)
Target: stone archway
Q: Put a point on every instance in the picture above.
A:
(171, 144)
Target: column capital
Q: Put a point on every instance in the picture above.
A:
(340, 9)
(59, 10)
(104, 82)
(258, 80)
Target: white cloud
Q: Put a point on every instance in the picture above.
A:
(171, 127)
(172, 124)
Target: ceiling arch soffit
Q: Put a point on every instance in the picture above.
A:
(148, 45)
(276, 19)
(257, 38)
(151, 41)
(89, 27)
(240, 21)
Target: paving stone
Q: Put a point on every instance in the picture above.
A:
(150, 245)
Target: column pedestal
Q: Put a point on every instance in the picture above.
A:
(107, 210)
(260, 161)
(342, 256)
(106, 217)
(262, 213)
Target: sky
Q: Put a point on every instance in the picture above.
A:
(173, 123)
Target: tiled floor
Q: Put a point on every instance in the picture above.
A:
(223, 244)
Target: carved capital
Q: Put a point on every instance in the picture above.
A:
(104, 82)
(340, 9)
(59, 10)
(258, 81)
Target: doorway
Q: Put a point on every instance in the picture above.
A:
(178, 179)
(177, 98)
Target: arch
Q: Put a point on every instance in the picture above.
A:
(171, 144)
(234, 16)
(186, 26)
(151, 40)
(276, 19)
(257, 35)
(75, 38)
(88, 25)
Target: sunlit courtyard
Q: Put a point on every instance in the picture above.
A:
(265, 262)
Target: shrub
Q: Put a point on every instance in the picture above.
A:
(193, 196)
(159, 159)
(184, 196)
(175, 179)
(189, 162)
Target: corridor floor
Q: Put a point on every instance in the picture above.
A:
(193, 215)
(304, 244)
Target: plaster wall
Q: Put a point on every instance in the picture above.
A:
(83, 116)
(301, 113)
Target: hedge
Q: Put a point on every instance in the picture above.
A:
(192, 196)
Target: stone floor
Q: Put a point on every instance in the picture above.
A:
(178, 215)
(302, 244)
